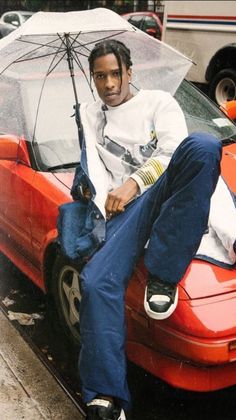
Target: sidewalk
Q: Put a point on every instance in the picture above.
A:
(27, 389)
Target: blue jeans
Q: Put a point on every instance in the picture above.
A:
(173, 214)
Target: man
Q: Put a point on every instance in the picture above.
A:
(146, 196)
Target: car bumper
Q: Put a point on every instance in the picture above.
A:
(182, 373)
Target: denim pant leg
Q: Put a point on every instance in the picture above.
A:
(166, 213)
(102, 363)
(191, 178)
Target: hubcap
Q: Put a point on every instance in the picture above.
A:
(225, 90)
(70, 298)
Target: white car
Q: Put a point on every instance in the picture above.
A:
(16, 18)
(5, 29)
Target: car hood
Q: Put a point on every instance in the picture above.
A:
(203, 279)
(65, 178)
(228, 166)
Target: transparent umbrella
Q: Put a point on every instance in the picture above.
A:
(44, 67)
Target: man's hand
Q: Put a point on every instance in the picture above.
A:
(86, 193)
(118, 198)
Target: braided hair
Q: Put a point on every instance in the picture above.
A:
(111, 46)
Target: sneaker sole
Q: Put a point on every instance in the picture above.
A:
(122, 415)
(160, 315)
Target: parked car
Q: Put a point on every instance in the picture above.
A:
(5, 29)
(195, 348)
(148, 22)
(16, 17)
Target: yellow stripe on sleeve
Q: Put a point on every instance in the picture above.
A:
(150, 172)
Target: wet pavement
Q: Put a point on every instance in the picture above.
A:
(152, 399)
(27, 388)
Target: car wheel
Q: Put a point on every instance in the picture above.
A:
(66, 295)
(223, 86)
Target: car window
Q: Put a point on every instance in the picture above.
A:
(136, 21)
(202, 114)
(7, 19)
(25, 16)
(11, 17)
(151, 23)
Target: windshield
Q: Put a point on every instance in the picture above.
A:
(201, 114)
(43, 114)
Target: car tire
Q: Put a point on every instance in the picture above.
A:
(66, 295)
(223, 86)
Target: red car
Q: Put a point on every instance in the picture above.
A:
(148, 22)
(195, 348)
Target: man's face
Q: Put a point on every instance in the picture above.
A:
(112, 89)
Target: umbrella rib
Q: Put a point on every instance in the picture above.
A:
(79, 45)
(75, 56)
(39, 56)
(98, 40)
(20, 59)
(78, 62)
(74, 40)
(39, 44)
(51, 70)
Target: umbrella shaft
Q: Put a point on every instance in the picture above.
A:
(71, 67)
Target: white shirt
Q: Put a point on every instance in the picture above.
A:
(150, 124)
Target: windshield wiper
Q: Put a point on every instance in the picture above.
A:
(229, 140)
(63, 166)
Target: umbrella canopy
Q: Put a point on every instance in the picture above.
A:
(39, 60)
(155, 64)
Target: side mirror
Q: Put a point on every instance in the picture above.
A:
(229, 108)
(13, 148)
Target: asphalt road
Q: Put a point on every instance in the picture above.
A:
(152, 398)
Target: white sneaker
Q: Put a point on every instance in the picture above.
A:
(160, 298)
(101, 409)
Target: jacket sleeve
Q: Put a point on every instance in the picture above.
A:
(171, 129)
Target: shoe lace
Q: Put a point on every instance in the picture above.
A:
(159, 288)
